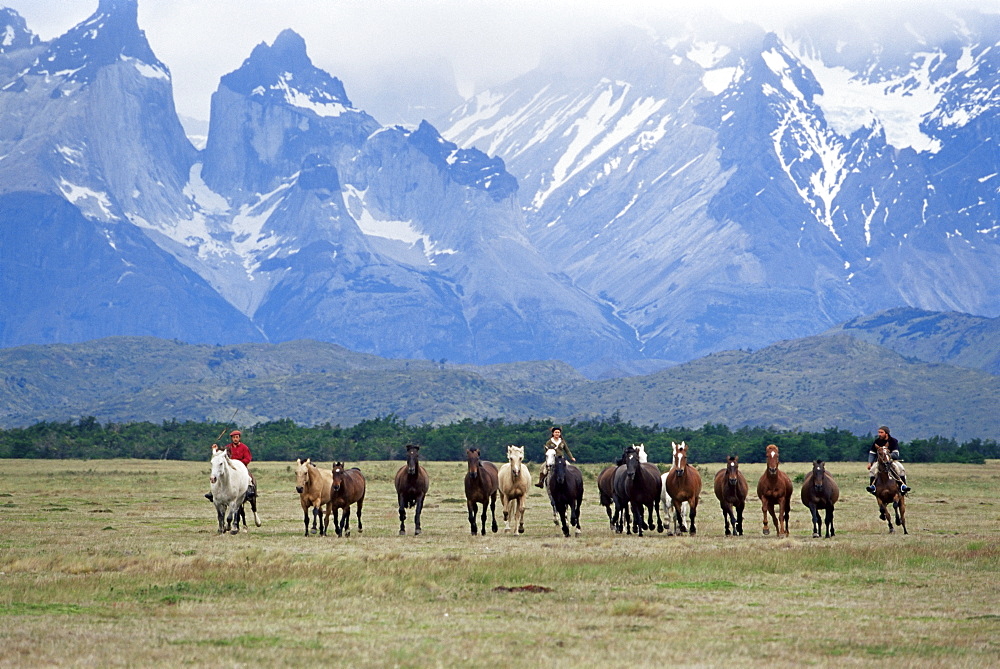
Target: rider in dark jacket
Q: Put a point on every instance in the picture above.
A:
(883, 439)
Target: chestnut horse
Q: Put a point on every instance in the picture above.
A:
(682, 484)
(731, 490)
(774, 488)
(887, 490)
(820, 491)
(636, 485)
(348, 487)
(481, 485)
(565, 490)
(313, 485)
(514, 483)
(412, 484)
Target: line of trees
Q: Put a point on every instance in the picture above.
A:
(384, 438)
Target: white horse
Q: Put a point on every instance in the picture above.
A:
(229, 480)
(515, 481)
(550, 463)
(642, 453)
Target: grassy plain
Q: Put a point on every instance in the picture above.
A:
(118, 563)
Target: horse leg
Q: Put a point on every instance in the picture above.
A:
(253, 508)
(347, 520)
(817, 524)
(493, 511)
(471, 508)
(659, 520)
(562, 517)
(486, 512)
(725, 517)
(693, 513)
(575, 517)
(829, 522)
(357, 512)
(900, 508)
(638, 514)
(305, 519)
(222, 519)
(402, 515)
(786, 507)
(416, 516)
(739, 518)
(763, 508)
(884, 515)
(520, 505)
(504, 506)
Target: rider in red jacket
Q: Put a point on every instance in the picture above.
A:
(239, 451)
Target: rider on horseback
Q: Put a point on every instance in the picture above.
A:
(561, 448)
(885, 439)
(239, 451)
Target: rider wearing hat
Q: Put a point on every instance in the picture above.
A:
(239, 451)
(560, 446)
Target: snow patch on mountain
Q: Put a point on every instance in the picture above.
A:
(395, 230)
(317, 101)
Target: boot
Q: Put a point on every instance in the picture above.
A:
(871, 485)
(903, 488)
(251, 491)
(541, 481)
(209, 497)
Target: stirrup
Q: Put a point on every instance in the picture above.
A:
(871, 489)
(209, 497)
(903, 488)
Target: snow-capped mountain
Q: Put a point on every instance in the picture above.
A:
(302, 218)
(728, 188)
(656, 197)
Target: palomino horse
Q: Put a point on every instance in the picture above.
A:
(774, 488)
(820, 491)
(887, 490)
(481, 485)
(412, 484)
(229, 479)
(636, 484)
(566, 491)
(514, 482)
(346, 488)
(731, 490)
(682, 484)
(313, 486)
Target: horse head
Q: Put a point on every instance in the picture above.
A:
(680, 457)
(515, 455)
(550, 457)
(632, 461)
(771, 455)
(559, 467)
(641, 450)
(338, 476)
(819, 475)
(472, 456)
(302, 474)
(412, 459)
(220, 464)
(733, 469)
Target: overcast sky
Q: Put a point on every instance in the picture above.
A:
(485, 41)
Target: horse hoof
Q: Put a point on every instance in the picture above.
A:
(767, 531)
(234, 531)
(416, 533)
(520, 530)
(256, 520)
(402, 533)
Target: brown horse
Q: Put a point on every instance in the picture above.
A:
(606, 488)
(348, 487)
(682, 484)
(820, 491)
(412, 484)
(731, 489)
(482, 482)
(515, 484)
(887, 490)
(775, 488)
(313, 485)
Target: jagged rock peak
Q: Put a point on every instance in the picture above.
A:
(14, 32)
(284, 73)
(468, 167)
(109, 35)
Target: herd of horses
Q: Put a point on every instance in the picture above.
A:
(632, 491)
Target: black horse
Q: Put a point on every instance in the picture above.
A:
(566, 490)
(636, 485)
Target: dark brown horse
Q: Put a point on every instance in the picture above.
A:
(887, 490)
(482, 482)
(820, 491)
(412, 484)
(348, 487)
(775, 489)
(565, 491)
(636, 487)
(731, 489)
(606, 487)
(682, 484)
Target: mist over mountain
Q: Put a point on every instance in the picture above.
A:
(665, 193)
